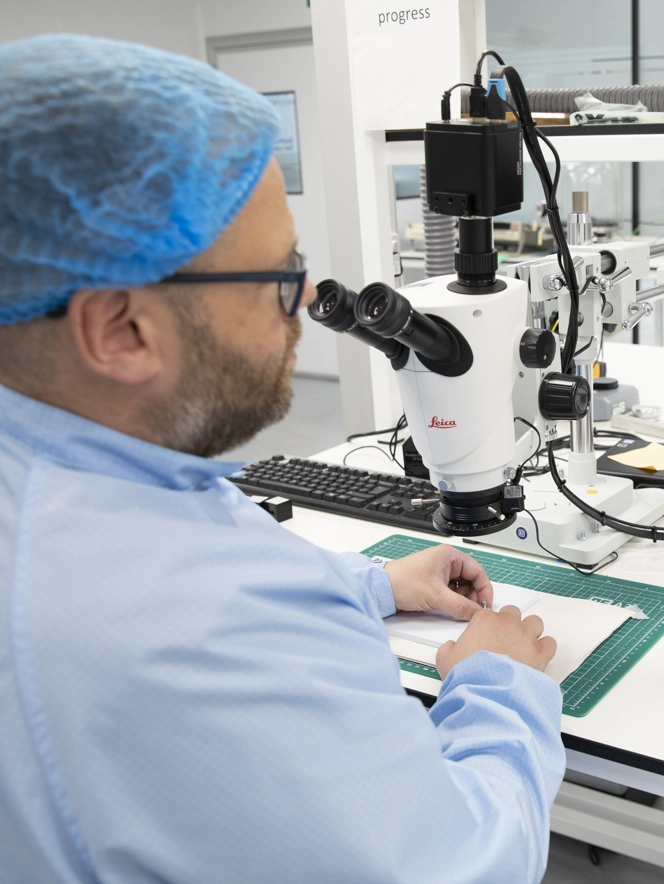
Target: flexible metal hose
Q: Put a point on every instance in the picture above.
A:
(439, 236)
(561, 101)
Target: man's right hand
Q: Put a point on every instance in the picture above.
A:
(503, 632)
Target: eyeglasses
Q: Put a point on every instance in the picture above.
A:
(291, 280)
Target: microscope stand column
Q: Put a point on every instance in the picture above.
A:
(582, 466)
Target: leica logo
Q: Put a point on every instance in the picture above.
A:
(439, 424)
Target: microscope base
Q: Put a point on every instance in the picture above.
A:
(566, 531)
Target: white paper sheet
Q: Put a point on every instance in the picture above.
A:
(424, 40)
(577, 625)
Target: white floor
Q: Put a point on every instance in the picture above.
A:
(314, 424)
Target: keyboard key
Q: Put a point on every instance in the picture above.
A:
(330, 496)
(356, 501)
(285, 488)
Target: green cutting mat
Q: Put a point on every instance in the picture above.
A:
(607, 664)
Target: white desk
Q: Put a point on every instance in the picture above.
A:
(626, 726)
(622, 738)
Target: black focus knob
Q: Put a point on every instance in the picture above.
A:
(537, 348)
(564, 397)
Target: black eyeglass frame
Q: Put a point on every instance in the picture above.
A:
(289, 304)
(281, 276)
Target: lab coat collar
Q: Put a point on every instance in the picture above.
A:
(75, 442)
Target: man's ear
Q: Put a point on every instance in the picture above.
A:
(120, 334)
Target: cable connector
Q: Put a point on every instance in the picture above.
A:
(478, 101)
(445, 109)
(495, 103)
(513, 500)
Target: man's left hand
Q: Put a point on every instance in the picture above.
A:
(441, 578)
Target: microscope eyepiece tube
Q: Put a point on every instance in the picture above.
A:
(382, 310)
(334, 308)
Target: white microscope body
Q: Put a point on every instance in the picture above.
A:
(466, 429)
(463, 427)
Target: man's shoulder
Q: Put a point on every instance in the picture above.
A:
(93, 540)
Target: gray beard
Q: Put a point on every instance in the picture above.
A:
(222, 399)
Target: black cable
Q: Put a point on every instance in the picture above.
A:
(580, 568)
(650, 532)
(392, 442)
(532, 136)
(372, 433)
(360, 447)
(563, 442)
(519, 469)
(585, 347)
(456, 86)
(556, 157)
(445, 106)
(616, 434)
(582, 292)
(478, 69)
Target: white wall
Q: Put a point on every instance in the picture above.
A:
(245, 16)
(174, 25)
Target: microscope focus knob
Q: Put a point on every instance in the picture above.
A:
(537, 348)
(564, 397)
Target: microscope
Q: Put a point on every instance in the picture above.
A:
(484, 384)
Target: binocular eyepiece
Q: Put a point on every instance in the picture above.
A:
(381, 309)
(334, 306)
(335, 309)
(384, 319)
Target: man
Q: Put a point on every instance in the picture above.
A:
(190, 693)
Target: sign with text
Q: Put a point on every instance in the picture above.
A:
(403, 56)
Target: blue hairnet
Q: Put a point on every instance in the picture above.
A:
(118, 164)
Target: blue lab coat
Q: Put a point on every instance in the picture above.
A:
(191, 694)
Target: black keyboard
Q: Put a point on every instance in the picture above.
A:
(380, 497)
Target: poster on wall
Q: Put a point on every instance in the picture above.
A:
(287, 148)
